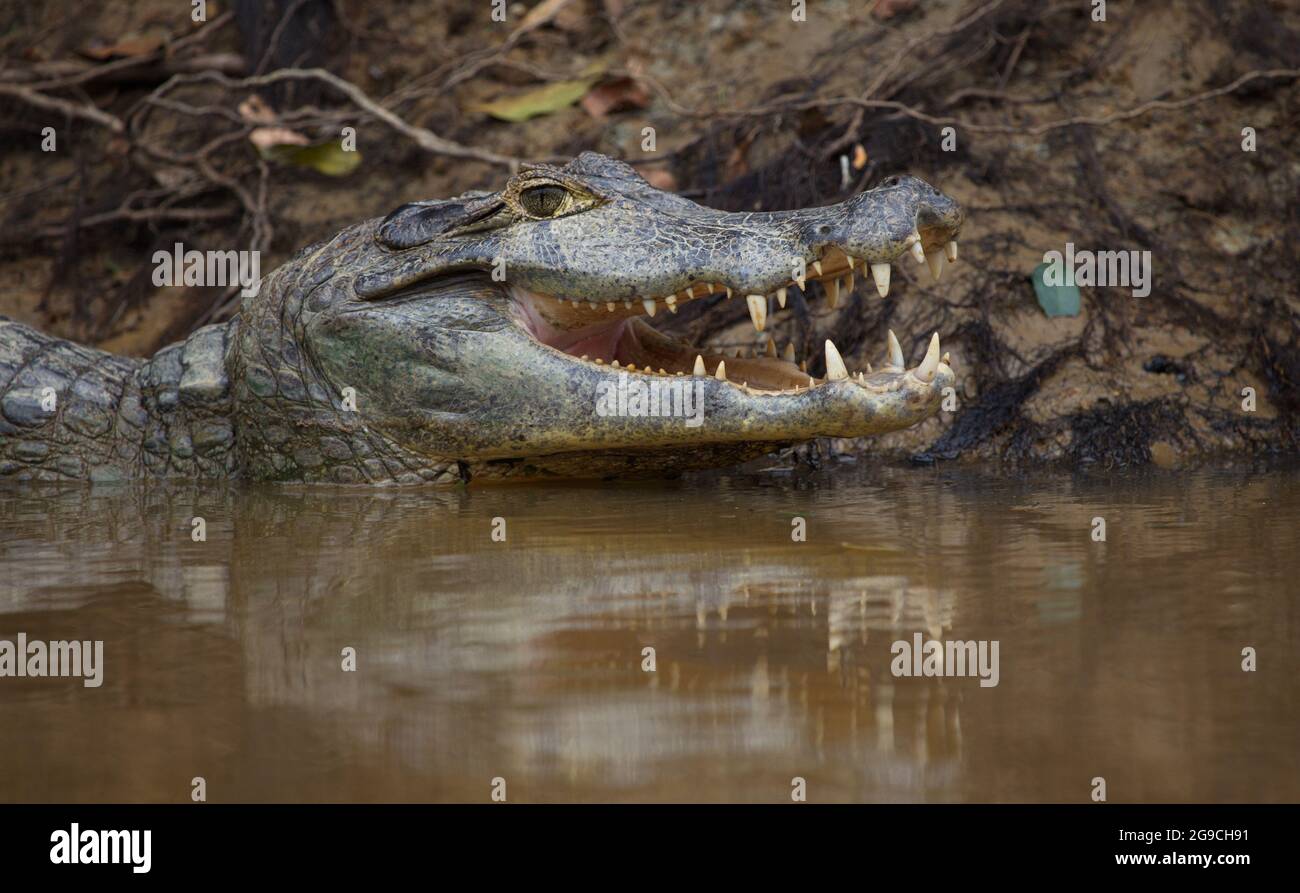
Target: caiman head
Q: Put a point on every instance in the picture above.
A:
(509, 333)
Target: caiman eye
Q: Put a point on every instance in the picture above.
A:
(544, 201)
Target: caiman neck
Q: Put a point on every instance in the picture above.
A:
(69, 412)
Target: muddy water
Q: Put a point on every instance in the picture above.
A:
(523, 659)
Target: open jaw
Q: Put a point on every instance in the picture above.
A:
(615, 334)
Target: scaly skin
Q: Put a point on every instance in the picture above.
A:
(472, 335)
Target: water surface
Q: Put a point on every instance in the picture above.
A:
(523, 659)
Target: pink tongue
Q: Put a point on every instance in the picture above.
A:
(600, 340)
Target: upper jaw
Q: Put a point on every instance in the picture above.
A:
(766, 256)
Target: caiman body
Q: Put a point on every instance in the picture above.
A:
(470, 337)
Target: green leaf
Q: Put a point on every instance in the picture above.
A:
(541, 101)
(1056, 300)
(328, 158)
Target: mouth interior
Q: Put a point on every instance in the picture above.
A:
(616, 334)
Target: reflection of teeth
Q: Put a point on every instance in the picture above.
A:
(699, 366)
(721, 372)
(930, 364)
(895, 351)
(757, 310)
(936, 261)
(788, 353)
(780, 297)
(880, 275)
(649, 305)
(835, 369)
(832, 287)
(918, 252)
(951, 250)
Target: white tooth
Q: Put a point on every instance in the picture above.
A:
(771, 347)
(817, 267)
(946, 361)
(728, 293)
(951, 249)
(757, 310)
(699, 366)
(832, 287)
(721, 372)
(849, 283)
(671, 303)
(895, 351)
(835, 369)
(802, 282)
(609, 305)
(849, 258)
(918, 252)
(614, 364)
(649, 305)
(627, 305)
(869, 367)
(788, 353)
(930, 364)
(584, 356)
(803, 365)
(936, 261)
(780, 297)
(880, 273)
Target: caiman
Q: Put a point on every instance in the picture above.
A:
(473, 336)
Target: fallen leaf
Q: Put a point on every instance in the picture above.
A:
(617, 95)
(268, 137)
(538, 101)
(285, 146)
(1056, 300)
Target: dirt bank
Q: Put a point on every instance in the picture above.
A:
(1122, 135)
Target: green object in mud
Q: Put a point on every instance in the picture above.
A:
(1056, 300)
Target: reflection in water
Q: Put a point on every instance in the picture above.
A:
(523, 659)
